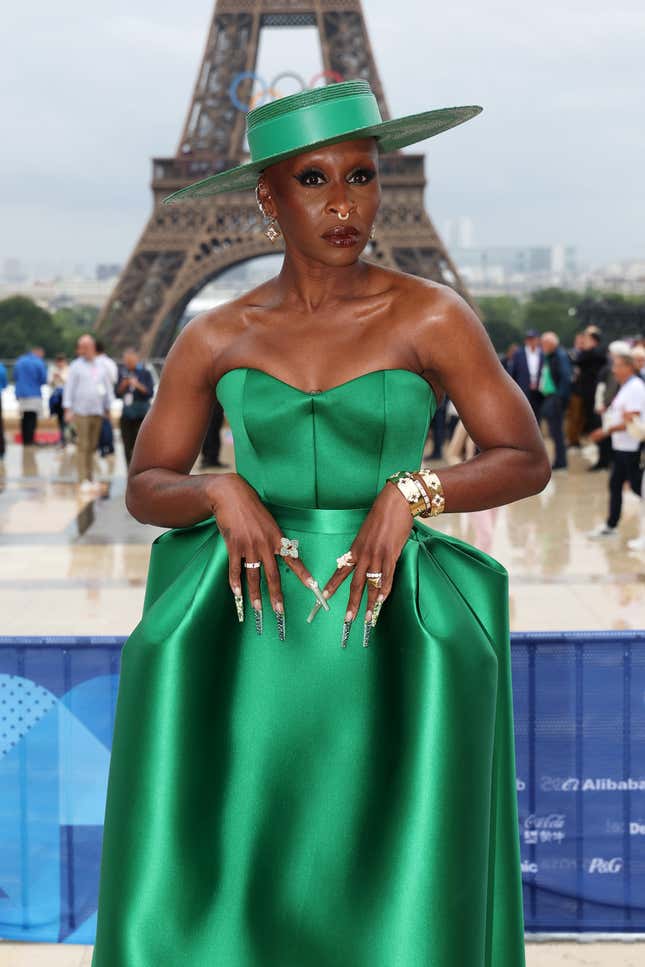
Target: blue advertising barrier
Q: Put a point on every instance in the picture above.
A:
(579, 702)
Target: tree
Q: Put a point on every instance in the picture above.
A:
(503, 318)
(549, 310)
(71, 323)
(24, 324)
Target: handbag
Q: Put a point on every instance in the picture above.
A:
(56, 400)
(636, 429)
(106, 438)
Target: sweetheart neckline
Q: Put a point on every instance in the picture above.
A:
(330, 389)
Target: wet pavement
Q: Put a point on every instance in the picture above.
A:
(76, 564)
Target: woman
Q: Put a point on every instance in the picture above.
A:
(276, 799)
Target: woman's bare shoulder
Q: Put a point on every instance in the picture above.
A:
(420, 298)
(210, 334)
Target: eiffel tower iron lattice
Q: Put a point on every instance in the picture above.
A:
(183, 247)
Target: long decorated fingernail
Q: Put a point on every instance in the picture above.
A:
(257, 611)
(367, 627)
(239, 604)
(316, 608)
(314, 611)
(279, 617)
(313, 584)
(347, 626)
(376, 611)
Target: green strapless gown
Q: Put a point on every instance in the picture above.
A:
(293, 803)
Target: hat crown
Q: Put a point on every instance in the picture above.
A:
(297, 121)
(307, 98)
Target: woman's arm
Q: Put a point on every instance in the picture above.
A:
(454, 347)
(455, 350)
(161, 489)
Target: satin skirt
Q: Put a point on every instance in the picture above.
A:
(297, 804)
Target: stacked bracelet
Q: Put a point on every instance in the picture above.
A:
(422, 502)
(435, 489)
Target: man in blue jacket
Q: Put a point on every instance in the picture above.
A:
(555, 387)
(3, 385)
(29, 374)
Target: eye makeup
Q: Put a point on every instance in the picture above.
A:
(304, 176)
(366, 174)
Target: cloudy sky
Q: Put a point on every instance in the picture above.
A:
(90, 91)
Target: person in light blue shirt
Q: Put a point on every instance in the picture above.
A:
(3, 385)
(29, 373)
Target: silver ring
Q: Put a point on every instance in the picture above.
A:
(252, 563)
(344, 217)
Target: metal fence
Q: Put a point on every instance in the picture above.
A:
(579, 702)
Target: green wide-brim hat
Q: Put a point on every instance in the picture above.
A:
(340, 111)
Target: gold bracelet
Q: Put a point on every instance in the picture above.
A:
(413, 492)
(435, 491)
(422, 503)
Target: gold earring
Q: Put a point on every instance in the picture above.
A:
(272, 231)
(372, 232)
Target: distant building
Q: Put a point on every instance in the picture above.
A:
(517, 267)
(459, 232)
(624, 278)
(107, 270)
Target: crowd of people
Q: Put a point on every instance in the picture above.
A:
(586, 394)
(592, 393)
(81, 394)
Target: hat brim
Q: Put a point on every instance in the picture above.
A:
(391, 135)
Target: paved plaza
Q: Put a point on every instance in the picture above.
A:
(73, 564)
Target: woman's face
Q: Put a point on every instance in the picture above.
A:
(307, 193)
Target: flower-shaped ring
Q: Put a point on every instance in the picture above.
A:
(289, 547)
(345, 560)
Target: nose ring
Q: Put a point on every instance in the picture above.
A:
(343, 218)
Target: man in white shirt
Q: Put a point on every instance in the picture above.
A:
(629, 399)
(87, 397)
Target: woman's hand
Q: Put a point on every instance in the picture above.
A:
(376, 547)
(252, 533)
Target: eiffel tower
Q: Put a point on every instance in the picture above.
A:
(183, 247)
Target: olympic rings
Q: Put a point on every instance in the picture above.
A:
(269, 90)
